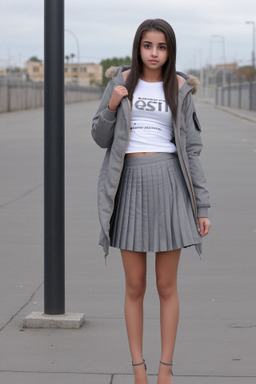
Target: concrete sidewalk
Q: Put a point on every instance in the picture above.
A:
(216, 341)
(238, 112)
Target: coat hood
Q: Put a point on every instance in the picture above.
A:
(111, 72)
(194, 82)
(190, 79)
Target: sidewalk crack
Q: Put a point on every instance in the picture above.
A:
(23, 306)
(21, 196)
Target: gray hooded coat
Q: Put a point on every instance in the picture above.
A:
(111, 129)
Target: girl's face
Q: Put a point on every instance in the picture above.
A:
(153, 50)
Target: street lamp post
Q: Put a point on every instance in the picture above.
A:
(78, 50)
(54, 315)
(201, 68)
(253, 46)
(54, 147)
(224, 58)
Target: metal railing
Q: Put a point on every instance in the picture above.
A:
(241, 95)
(21, 95)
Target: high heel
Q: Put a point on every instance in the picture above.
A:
(136, 365)
(168, 364)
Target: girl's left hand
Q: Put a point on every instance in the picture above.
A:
(204, 225)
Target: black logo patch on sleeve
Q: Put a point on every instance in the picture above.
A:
(196, 121)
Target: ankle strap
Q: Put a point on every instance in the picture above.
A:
(137, 364)
(169, 364)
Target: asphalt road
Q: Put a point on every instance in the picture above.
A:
(216, 340)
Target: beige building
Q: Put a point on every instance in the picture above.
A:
(3, 71)
(232, 67)
(82, 74)
(35, 70)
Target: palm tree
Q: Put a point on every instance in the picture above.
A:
(72, 55)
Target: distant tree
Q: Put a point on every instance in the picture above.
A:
(34, 58)
(72, 55)
(246, 73)
(67, 58)
(115, 61)
(13, 70)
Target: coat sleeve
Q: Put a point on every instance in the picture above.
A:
(193, 148)
(103, 123)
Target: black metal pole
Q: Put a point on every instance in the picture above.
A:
(54, 215)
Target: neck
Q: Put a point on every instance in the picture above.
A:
(152, 76)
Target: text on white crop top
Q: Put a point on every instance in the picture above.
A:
(151, 120)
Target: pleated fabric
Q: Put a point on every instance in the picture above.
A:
(153, 211)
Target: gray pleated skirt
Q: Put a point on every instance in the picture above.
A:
(153, 211)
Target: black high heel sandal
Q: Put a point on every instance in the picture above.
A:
(169, 365)
(136, 365)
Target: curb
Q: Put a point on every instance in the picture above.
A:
(240, 113)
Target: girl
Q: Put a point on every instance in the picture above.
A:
(151, 193)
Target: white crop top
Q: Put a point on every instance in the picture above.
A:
(151, 120)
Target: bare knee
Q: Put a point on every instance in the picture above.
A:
(135, 288)
(135, 273)
(166, 288)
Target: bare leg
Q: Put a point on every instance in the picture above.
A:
(135, 278)
(166, 278)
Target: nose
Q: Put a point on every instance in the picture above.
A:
(154, 51)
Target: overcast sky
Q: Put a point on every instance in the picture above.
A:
(105, 29)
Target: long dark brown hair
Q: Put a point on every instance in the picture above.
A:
(170, 83)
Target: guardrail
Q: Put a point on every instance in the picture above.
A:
(22, 95)
(241, 95)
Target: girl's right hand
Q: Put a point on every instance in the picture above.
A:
(118, 94)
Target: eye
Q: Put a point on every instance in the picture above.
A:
(162, 47)
(146, 46)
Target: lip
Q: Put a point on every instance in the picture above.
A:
(153, 61)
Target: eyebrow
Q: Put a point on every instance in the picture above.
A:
(149, 42)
